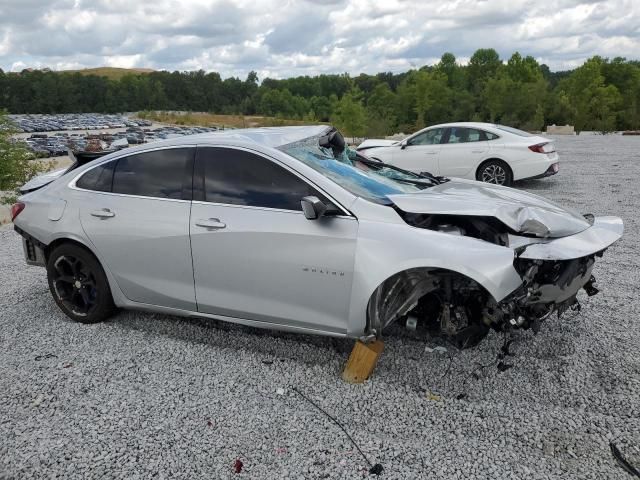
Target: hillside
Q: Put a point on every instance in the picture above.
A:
(112, 73)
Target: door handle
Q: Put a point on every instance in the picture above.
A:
(104, 213)
(430, 153)
(477, 151)
(211, 223)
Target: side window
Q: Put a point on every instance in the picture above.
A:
(465, 135)
(98, 178)
(430, 137)
(158, 174)
(238, 177)
(491, 136)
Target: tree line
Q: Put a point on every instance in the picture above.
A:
(601, 94)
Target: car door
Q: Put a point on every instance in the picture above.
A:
(462, 151)
(420, 152)
(256, 256)
(135, 210)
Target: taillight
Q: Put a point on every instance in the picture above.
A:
(16, 208)
(546, 147)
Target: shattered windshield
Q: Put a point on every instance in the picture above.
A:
(366, 179)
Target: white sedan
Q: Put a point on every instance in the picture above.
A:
(478, 151)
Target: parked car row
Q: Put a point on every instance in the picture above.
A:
(74, 121)
(60, 143)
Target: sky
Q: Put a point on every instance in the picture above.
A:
(284, 38)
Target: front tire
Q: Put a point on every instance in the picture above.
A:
(79, 285)
(496, 172)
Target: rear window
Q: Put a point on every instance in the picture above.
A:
(157, 174)
(98, 178)
(515, 131)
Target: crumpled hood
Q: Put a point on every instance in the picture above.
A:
(42, 180)
(523, 212)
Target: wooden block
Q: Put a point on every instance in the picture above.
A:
(362, 361)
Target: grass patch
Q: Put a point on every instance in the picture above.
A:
(214, 120)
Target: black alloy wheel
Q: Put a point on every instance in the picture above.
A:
(78, 284)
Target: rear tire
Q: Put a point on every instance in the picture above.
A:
(79, 285)
(496, 172)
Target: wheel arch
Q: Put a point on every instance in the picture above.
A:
(70, 240)
(118, 296)
(498, 283)
(422, 272)
(493, 159)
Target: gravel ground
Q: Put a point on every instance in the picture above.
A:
(155, 396)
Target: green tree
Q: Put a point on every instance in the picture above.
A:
(595, 104)
(320, 108)
(433, 98)
(17, 164)
(516, 94)
(349, 115)
(625, 76)
(380, 109)
(453, 71)
(483, 64)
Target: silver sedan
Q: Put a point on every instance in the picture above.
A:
(288, 228)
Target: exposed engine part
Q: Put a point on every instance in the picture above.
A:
(590, 287)
(450, 229)
(488, 229)
(460, 309)
(439, 301)
(547, 287)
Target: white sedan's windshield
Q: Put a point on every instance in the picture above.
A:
(374, 184)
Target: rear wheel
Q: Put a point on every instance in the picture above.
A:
(496, 172)
(79, 285)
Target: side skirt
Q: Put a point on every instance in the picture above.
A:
(129, 305)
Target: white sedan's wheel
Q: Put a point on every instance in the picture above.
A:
(496, 172)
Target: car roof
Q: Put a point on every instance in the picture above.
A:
(266, 136)
(465, 124)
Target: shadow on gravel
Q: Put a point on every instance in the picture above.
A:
(540, 184)
(218, 333)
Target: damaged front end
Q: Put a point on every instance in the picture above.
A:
(435, 300)
(548, 287)
(552, 272)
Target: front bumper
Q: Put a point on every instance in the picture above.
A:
(603, 232)
(554, 271)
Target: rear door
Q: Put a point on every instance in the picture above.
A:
(256, 256)
(462, 151)
(421, 152)
(136, 212)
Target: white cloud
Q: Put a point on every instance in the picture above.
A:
(280, 38)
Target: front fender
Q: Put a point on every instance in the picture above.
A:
(384, 249)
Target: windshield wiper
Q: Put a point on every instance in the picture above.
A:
(432, 179)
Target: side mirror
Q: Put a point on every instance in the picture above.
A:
(403, 144)
(313, 207)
